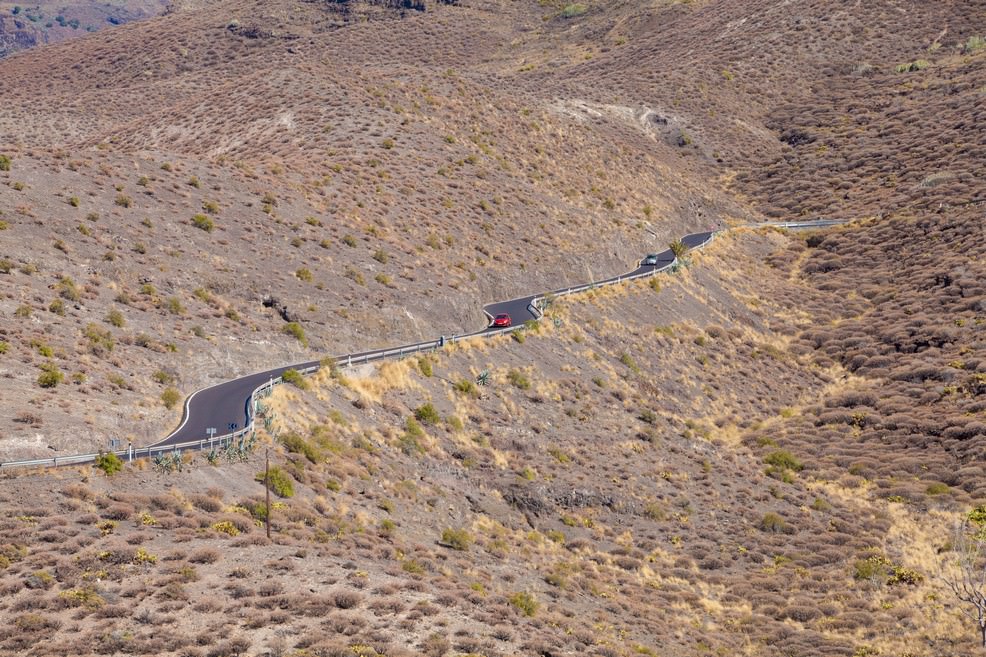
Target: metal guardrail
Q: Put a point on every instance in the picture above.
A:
(349, 359)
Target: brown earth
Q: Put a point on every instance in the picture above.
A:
(762, 455)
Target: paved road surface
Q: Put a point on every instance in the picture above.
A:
(226, 407)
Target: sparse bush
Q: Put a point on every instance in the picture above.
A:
(628, 360)
(175, 306)
(772, 522)
(518, 379)
(525, 602)
(427, 415)
(162, 377)
(279, 482)
(50, 375)
(466, 387)
(304, 274)
(457, 539)
(226, 526)
(295, 330)
(4, 163)
(573, 10)
(109, 463)
(973, 44)
(115, 317)
(170, 397)
(202, 222)
(298, 445)
(783, 459)
(295, 378)
(124, 201)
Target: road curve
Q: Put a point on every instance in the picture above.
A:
(225, 407)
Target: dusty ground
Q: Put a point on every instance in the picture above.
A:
(429, 515)
(762, 455)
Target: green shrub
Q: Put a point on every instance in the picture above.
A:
(412, 567)
(937, 488)
(424, 365)
(109, 463)
(162, 377)
(628, 360)
(4, 347)
(518, 379)
(4, 163)
(295, 330)
(279, 482)
(525, 602)
(304, 274)
(57, 306)
(99, 340)
(381, 256)
(573, 10)
(427, 415)
(772, 522)
(295, 378)
(467, 387)
(67, 289)
(175, 306)
(457, 539)
(973, 44)
(124, 201)
(203, 222)
(50, 375)
(977, 515)
(115, 317)
(170, 397)
(294, 443)
(783, 459)
(226, 527)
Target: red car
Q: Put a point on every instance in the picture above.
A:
(503, 319)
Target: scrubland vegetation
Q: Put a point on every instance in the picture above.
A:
(765, 453)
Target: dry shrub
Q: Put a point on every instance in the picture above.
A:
(205, 555)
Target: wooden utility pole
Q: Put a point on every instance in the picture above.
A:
(267, 488)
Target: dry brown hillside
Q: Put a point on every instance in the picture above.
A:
(763, 454)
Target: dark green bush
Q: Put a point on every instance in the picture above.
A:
(783, 459)
(280, 482)
(109, 463)
(457, 539)
(427, 415)
(295, 378)
(50, 375)
(295, 330)
(202, 222)
(298, 445)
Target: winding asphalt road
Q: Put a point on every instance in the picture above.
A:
(225, 407)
